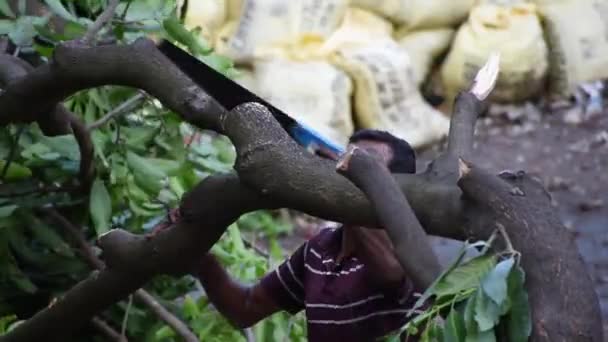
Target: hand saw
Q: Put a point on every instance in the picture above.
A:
(229, 94)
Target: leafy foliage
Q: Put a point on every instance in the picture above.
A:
(145, 160)
(473, 300)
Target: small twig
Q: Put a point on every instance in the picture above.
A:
(510, 249)
(107, 330)
(11, 155)
(100, 22)
(119, 110)
(249, 335)
(177, 325)
(125, 319)
(256, 248)
(124, 12)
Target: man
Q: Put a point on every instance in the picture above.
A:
(347, 280)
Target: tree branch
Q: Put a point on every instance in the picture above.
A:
(100, 22)
(394, 214)
(555, 271)
(121, 109)
(142, 295)
(55, 120)
(107, 330)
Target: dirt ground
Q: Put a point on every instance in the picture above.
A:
(568, 150)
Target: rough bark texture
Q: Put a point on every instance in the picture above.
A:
(563, 300)
(275, 172)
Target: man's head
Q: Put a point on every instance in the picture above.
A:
(396, 153)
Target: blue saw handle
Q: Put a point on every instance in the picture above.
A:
(308, 137)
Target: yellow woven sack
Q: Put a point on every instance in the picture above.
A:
(263, 23)
(386, 95)
(514, 32)
(315, 93)
(423, 47)
(577, 33)
(418, 14)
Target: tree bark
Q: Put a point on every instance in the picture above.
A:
(564, 304)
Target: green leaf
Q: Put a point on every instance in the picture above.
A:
(431, 289)
(24, 29)
(469, 315)
(15, 171)
(7, 210)
(486, 336)
(65, 145)
(190, 308)
(164, 334)
(465, 276)
(57, 8)
(455, 330)
(487, 313)
(519, 320)
(147, 175)
(178, 32)
(100, 205)
(5, 9)
(217, 62)
(49, 237)
(494, 284)
(6, 26)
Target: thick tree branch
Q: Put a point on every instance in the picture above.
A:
(142, 295)
(270, 160)
(394, 214)
(76, 67)
(56, 120)
(564, 304)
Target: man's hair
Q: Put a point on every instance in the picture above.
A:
(404, 157)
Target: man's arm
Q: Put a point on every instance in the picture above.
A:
(374, 248)
(242, 305)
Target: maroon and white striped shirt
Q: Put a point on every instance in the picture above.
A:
(340, 301)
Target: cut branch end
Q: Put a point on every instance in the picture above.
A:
(486, 77)
(344, 161)
(463, 168)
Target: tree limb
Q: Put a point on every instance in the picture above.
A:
(100, 22)
(107, 330)
(394, 214)
(121, 109)
(564, 304)
(142, 295)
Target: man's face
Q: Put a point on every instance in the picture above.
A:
(378, 150)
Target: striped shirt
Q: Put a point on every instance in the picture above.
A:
(339, 299)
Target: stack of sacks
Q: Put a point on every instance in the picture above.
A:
(266, 22)
(313, 58)
(419, 14)
(515, 32)
(386, 87)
